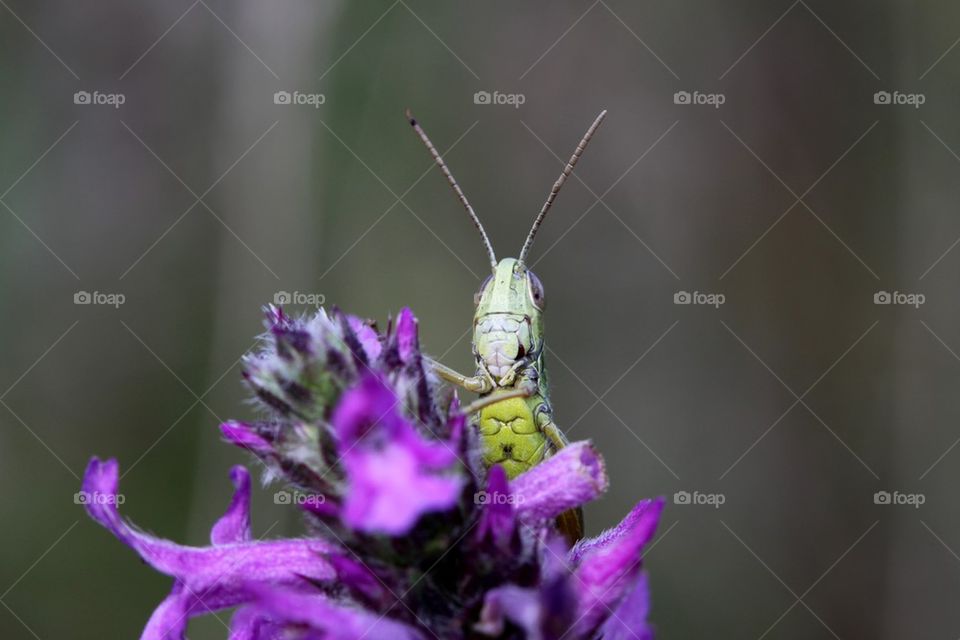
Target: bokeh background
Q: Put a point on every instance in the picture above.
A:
(797, 199)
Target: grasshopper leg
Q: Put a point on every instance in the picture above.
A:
(554, 435)
(570, 523)
(508, 379)
(476, 384)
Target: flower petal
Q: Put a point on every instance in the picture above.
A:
(391, 469)
(368, 412)
(250, 623)
(497, 521)
(336, 621)
(169, 619)
(357, 577)
(390, 489)
(245, 623)
(243, 435)
(606, 570)
(645, 514)
(569, 478)
(629, 621)
(408, 344)
(234, 525)
(367, 336)
(206, 578)
(511, 603)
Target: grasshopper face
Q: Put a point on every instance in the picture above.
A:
(508, 322)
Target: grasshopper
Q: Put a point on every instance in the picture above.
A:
(515, 418)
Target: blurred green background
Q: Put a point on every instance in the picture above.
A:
(799, 198)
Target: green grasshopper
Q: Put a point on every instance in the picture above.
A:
(515, 415)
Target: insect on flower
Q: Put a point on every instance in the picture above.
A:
(515, 417)
(396, 549)
(398, 544)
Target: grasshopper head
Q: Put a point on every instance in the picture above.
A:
(512, 289)
(508, 322)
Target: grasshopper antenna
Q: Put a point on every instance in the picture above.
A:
(453, 184)
(567, 170)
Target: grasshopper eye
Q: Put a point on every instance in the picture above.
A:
(479, 293)
(535, 287)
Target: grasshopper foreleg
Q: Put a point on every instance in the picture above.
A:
(510, 376)
(476, 384)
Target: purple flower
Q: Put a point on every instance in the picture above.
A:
(498, 520)
(207, 579)
(510, 603)
(402, 542)
(244, 435)
(393, 474)
(629, 621)
(408, 344)
(367, 336)
(607, 569)
(570, 478)
(333, 621)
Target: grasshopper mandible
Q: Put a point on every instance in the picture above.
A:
(515, 415)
